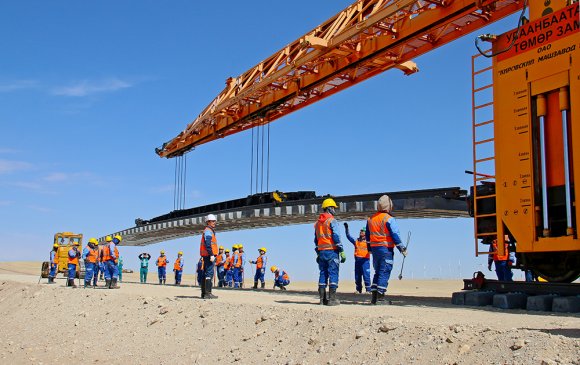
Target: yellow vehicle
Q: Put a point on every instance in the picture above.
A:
(65, 241)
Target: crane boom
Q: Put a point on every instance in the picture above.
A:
(363, 40)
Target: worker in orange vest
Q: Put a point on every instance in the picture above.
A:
(178, 268)
(220, 261)
(53, 263)
(208, 249)
(281, 278)
(362, 256)
(382, 233)
(503, 263)
(228, 268)
(73, 263)
(242, 262)
(161, 267)
(90, 254)
(329, 252)
(236, 265)
(110, 256)
(260, 263)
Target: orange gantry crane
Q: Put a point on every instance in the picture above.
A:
(363, 40)
(525, 134)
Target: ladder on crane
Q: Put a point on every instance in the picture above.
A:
(484, 195)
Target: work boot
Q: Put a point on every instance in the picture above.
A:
(208, 294)
(51, 281)
(282, 287)
(107, 283)
(332, 297)
(85, 286)
(163, 281)
(380, 298)
(160, 281)
(202, 289)
(322, 295)
(263, 285)
(374, 297)
(255, 285)
(114, 284)
(71, 282)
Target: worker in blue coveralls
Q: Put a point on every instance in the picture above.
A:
(178, 267)
(503, 263)
(90, 257)
(208, 250)
(73, 263)
(53, 263)
(110, 257)
(382, 233)
(362, 256)
(200, 271)
(329, 252)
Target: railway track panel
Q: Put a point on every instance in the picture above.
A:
(432, 203)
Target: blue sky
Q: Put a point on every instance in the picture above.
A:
(88, 90)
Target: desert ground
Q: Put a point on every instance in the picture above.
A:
(152, 324)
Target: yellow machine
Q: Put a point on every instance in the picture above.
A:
(65, 241)
(532, 141)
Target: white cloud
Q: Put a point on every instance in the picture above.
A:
(40, 208)
(86, 87)
(16, 85)
(8, 150)
(9, 166)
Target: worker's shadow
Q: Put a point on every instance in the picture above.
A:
(566, 332)
(189, 297)
(315, 301)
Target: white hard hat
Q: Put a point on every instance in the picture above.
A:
(210, 217)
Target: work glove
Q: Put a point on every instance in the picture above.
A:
(403, 251)
(212, 258)
(317, 259)
(342, 257)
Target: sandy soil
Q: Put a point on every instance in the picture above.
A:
(147, 324)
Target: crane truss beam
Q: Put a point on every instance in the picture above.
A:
(363, 40)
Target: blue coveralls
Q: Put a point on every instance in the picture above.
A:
(200, 272)
(161, 270)
(179, 272)
(208, 265)
(53, 266)
(279, 280)
(98, 267)
(503, 268)
(220, 270)
(261, 272)
(72, 268)
(362, 269)
(89, 267)
(144, 267)
(383, 257)
(111, 270)
(236, 271)
(328, 260)
(229, 276)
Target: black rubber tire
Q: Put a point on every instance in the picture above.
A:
(45, 269)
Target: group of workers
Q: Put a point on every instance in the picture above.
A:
(96, 259)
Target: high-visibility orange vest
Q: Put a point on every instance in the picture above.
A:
(73, 260)
(361, 250)
(55, 258)
(177, 264)
(92, 256)
(219, 259)
(238, 260)
(496, 256)
(379, 233)
(106, 254)
(324, 233)
(228, 263)
(214, 247)
(260, 262)
(162, 261)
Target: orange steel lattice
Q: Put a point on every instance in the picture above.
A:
(363, 40)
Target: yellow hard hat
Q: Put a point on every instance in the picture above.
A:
(93, 241)
(180, 253)
(329, 203)
(273, 269)
(108, 238)
(240, 245)
(235, 247)
(227, 251)
(262, 249)
(55, 245)
(76, 243)
(119, 238)
(221, 247)
(162, 251)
